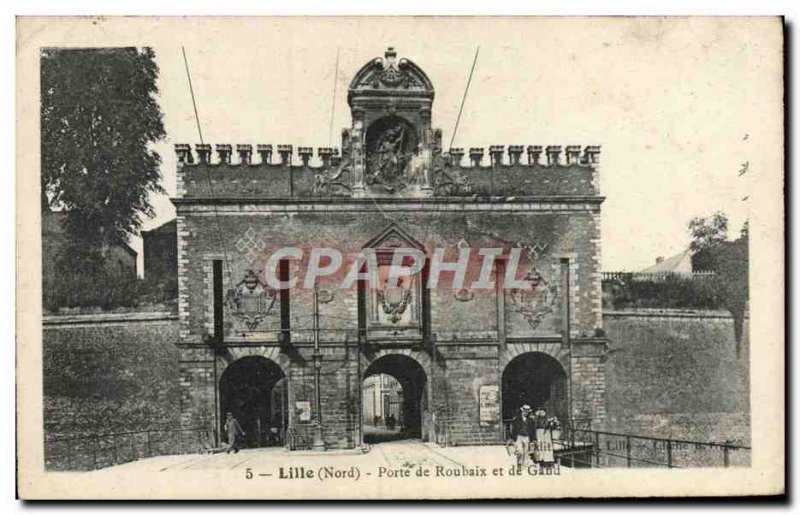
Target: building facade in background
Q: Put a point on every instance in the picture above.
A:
(464, 357)
(160, 246)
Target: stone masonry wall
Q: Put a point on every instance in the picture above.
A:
(668, 374)
(676, 374)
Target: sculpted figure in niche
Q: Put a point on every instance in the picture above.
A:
(391, 145)
(390, 158)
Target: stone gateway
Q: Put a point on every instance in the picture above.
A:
(289, 362)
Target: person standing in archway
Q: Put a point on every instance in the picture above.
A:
(522, 429)
(235, 432)
(543, 445)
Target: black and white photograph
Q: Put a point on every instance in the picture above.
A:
(400, 257)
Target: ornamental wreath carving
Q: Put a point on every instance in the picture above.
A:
(250, 301)
(536, 303)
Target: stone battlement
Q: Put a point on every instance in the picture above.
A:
(285, 171)
(325, 156)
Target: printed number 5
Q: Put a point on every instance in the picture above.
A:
(248, 474)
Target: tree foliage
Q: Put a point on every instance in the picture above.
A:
(728, 259)
(99, 117)
(707, 232)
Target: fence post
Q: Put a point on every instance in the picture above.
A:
(149, 446)
(94, 453)
(669, 453)
(114, 443)
(725, 456)
(628, 449)
(597, 448)
(69, 454)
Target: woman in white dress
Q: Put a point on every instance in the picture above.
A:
(543, 450)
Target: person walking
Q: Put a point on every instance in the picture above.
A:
(543, 444)
(234, 431)
(522, 429)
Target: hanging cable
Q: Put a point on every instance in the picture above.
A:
(333, 100)
(208, 172)
(464, 99)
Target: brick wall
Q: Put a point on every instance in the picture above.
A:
(251, 233)
(673, 373)
(109, 374)
(667, 374)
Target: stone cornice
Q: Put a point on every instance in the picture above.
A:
(286, 205)
(107, 318)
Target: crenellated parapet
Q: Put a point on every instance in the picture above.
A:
(550, 170)
(502, 156)
(302, 171)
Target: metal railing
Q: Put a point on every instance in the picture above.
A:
(95, 451)
(578, 423)
(655, 276)
(299, 437)
(608, 449)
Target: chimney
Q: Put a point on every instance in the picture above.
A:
(285, 152)
(245, 154)
(496, 154)
(184, 153)
(591, 154)
(659, 259)
(265, 151)
(224, 151)
(305, 154)
(203, 153)
(573, 154)
(534, 153)
(456, 154)
(553, 154)
(476, 155)
(515, 154)
(325, 154)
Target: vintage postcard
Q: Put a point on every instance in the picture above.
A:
(399, 257)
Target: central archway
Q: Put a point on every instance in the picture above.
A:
(536, 379)
(253, 390)
(402, 382)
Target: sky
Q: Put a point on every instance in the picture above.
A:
(678, 106)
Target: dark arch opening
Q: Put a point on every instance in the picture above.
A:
(404, 397)
(253, 389)
(536, 379)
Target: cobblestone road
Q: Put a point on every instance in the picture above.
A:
(399, 455)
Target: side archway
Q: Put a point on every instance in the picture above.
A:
(253, 390)
(413, 402)
(536, 379)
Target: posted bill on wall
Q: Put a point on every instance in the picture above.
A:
(399, 258)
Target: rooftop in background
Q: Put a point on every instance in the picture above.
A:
(679, 263)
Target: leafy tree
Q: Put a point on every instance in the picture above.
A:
(707, 232)
(99, 118)
(728, 259)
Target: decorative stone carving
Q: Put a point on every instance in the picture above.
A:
(394, 301)
(390, 154)
(250, 301)
(447, 177)
(391, 73)
(333, 182)
(536, 303)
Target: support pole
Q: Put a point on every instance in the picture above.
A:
(566, 341)
(319, 443)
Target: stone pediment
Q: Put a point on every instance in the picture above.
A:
(393, 237)
(388, 76)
